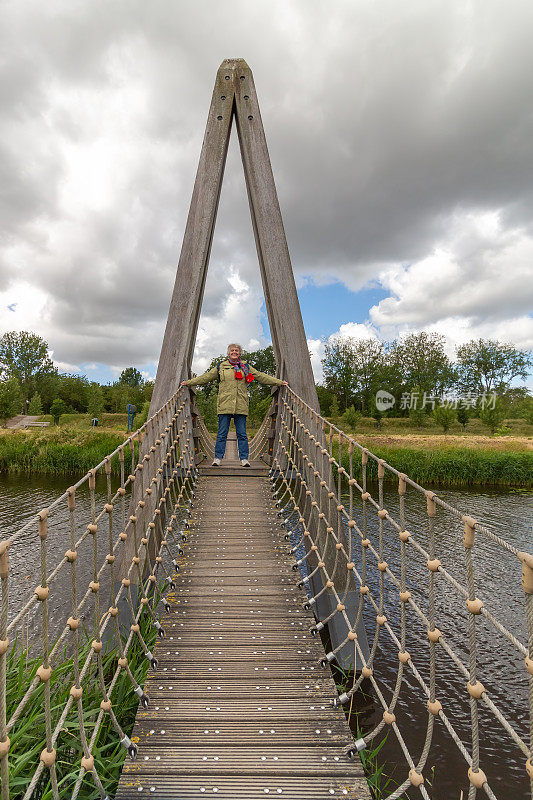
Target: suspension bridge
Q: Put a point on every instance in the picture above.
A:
(257, 583)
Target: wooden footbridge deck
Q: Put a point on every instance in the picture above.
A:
(239, 706)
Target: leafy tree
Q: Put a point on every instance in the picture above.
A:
(423, 363)
(339, 370)
(57, 408)
(131, 377)
(24, 356)
(486, 365)
(325, 398)
(377, 415)
(463, 416)
(11, 398)
(368, 368)
(140, 418)
(334, 409)
(74, 391)
(35, 407)
(351, 417)
(95, 400)
(493, 417)
(417, 414)
(444, 416)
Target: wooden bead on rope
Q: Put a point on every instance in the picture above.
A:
(404, 657)
(43, 523)
(42, 592)
(44, 673)
(4, 747)
(76, 692)
(71, 556)
(363, 589)
(382, 566)
(382, 513)
(105, 705)
(367, 672)
(434, 707)
(478, 778)
(433, 565)
(474, 606)
(415, 777)
(434, 635)
(73, 623)
(352, 636)
(96, 646)
(135, 628)
(48, 758)
(389, 717)
(122, 662)
(71, 498)
(4, 644)
(109, 508)
(402, 486)
(469, 531)
(475, 690)
(92, 528)
(123, 536)
(381, 619)
(88, 763)
(405, 596)
(529, 665)
(94, 586)
(431, 505)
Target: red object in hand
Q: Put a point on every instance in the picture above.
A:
(238, 375)
(249, 378)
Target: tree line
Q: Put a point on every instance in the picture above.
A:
(415, 367)
(31, 384)
(417, 372)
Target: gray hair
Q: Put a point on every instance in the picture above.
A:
(234, 344)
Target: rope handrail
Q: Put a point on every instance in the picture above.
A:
(336, 551)
(140, 526)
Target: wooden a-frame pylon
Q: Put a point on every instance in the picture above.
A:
(234, 96)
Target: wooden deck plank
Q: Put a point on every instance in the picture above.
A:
(239, 706)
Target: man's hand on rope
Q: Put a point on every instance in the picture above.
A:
(284, 383)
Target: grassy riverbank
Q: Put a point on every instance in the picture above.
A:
(56, 451)
(451, 465)
(428, 456)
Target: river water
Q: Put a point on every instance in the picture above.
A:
(498, 575)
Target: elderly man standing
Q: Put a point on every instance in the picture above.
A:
(233, 377)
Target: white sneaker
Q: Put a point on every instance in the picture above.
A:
(245, 462)
(216, 462)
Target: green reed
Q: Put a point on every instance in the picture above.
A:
(28, 736)
(451, 466)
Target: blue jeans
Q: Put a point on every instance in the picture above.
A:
(222, 435)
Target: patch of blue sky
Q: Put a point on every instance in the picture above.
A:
(325, 308)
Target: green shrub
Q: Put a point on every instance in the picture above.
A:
(351, 417)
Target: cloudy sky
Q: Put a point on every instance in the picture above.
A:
(400, 134)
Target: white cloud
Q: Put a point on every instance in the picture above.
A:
(408, 164)
(476, 283)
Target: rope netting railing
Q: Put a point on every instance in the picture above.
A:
(121, 541)
(347, 545)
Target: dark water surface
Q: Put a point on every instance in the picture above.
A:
(501, 669)
(498, 584)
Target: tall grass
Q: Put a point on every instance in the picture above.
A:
(452, 466)
(58, 451)
(28, 736)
